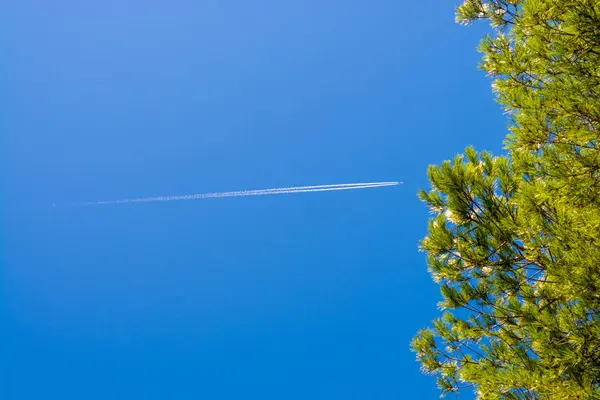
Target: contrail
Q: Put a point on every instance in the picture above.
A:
(260, 192)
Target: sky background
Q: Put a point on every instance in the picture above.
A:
(304, 296)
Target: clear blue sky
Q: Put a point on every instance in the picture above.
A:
(305, 296)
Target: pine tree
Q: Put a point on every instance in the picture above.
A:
(514, 241)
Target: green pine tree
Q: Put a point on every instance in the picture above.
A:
(515, 240)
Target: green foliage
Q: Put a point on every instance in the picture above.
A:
(514, 241)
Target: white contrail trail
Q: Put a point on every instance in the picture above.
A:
(260, 192)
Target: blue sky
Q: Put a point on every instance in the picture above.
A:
(278, 297)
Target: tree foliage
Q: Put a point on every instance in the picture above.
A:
(514, 241)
